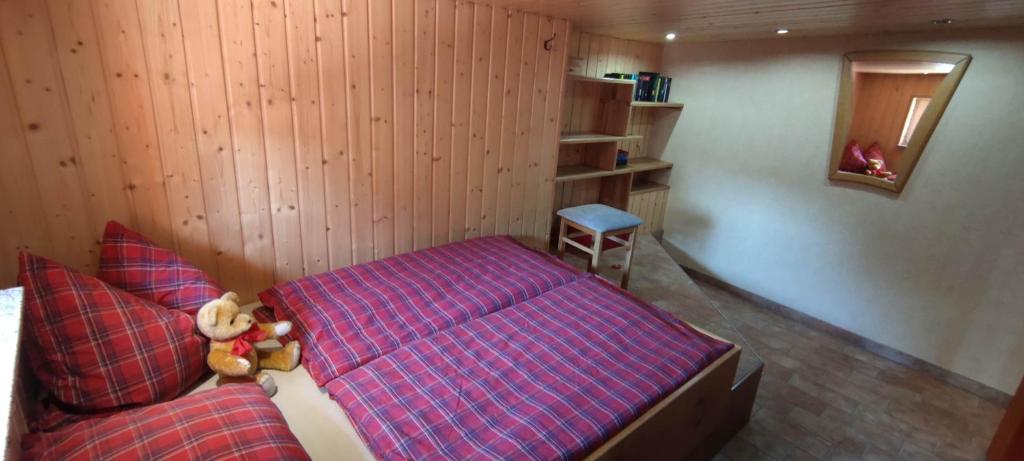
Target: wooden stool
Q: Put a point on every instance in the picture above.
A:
(599, 222)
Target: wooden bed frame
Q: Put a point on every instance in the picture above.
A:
(673, 429)
(681, 422)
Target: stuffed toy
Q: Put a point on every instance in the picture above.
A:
(877, 168)
(233, 335)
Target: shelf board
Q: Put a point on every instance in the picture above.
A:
(580, 172)
(613, 81)
(593, 138)
(647, 164)
(665, 105)
(641, 187)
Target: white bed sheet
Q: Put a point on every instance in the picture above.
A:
(319, 423)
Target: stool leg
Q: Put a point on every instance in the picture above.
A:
(561, 239)
(592, 266)
(629, 260)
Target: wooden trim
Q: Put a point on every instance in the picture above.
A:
(1008, 443)
(926, 126)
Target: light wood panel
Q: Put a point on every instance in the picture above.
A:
(880, 105)
(268, 139)
(650, 20)
(649, 206)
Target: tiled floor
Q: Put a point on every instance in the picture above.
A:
(821, 397)
(824, 398)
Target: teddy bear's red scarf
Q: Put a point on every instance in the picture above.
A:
(243, 343)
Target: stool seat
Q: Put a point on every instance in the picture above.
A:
(600, 218)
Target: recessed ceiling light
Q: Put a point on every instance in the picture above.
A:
(942, 21)
(670, 36)
(781, 31)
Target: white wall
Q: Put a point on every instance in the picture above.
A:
(937, 271)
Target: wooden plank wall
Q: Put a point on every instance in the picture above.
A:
(267, 139)
(598, 55)
(649, 206)
(880, 106)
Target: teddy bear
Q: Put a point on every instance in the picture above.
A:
(877, 168)
(233, 354)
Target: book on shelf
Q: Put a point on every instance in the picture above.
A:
(650, 86)
(666, 86)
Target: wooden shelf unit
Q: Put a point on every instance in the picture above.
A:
(602, 118)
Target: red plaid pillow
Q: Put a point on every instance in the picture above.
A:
(95, 347)
(132, 263)
(236, 422)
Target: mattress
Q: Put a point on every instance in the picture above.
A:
(478, 349)
(350, 316)
(548, 378)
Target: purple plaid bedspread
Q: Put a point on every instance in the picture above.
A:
(350, 316)
(549, 378)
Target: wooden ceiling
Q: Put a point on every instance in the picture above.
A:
(693, 20)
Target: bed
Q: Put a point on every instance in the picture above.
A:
(487, 349)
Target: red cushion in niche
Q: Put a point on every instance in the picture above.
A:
(853, 159)
(874, 152)
(133, 263)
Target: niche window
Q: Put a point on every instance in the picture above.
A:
(889, 104)
(917, 108)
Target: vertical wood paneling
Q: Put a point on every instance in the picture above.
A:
(538, 113)
(334, 111)
(305, 101)
(357, 48)
(649, 206)
(168, 85)
(204, 63)
(75, 36)
(495, 107)
(404, 81)
(478, 119)
(19, 196)
(524, 118)
(237, 41)
(268, 139)
(551, 133)
(278, 135)
(461, 116)
(27, 45)
(444, 94)
(382, 121)
(423, 182)
(510, 111)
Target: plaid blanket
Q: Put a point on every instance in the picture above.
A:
(234, 422)
(549, 378)
(350, 316)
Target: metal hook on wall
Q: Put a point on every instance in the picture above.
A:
(547, 43)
